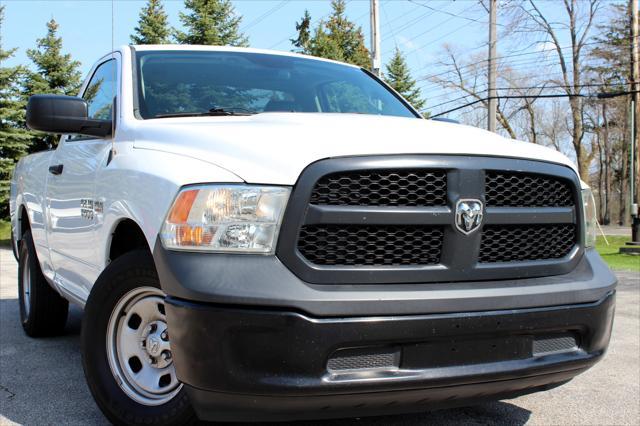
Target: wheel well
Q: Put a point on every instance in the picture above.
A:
(127, 237)
(23, 222)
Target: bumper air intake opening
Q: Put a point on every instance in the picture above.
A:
(349, 360)
(554, 344)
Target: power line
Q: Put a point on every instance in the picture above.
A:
(265, 15)
(517, 69)
(449, 13)
(515, 88)
(453, 100)
(604, 95)
(410, 23)
(550, 62)
(552, 49)
(434, 27)
(401, 15)
(384, 10)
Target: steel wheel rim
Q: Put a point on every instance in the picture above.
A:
(138, 348)
(26, 286)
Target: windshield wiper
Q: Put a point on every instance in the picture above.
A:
(213, 112)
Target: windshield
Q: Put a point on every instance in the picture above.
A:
(193, 82)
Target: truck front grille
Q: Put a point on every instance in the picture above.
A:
(382, 188)
(526, 242)
(392, 220)
(371, 245)
(509, 189)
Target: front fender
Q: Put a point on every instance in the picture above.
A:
(140, 185)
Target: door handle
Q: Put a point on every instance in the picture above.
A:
(56, 170)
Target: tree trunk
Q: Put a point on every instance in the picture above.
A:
(623, 215)
(601, 166)
(606, 211)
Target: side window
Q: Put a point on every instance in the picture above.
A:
(99, 94)
(101, 90)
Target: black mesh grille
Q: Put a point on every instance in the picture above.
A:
(357, 245)
(554, 344)
(382, 188)
(362, 361)
(503, 243)
(507, 189)
(392, 219)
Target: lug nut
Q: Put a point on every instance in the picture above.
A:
(164, 336)
(166, 355)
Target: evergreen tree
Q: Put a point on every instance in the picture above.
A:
(14, 138)
(611, 51)
(55, 73)
(211, 22)
(399, 77)
(153, 25)
(338, 38)
(304, 33)
(348, 37)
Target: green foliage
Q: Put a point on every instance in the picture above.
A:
(211, 22)
(55, 73)
(399, 77)
(153, 25)
(611, 49)
(338, 38)
(14, 138)
(5, 233)
(304, 33)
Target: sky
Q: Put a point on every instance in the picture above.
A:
(419, 28)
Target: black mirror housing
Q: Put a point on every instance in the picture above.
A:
(64, 114)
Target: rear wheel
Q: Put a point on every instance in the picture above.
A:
(43, 312)
(126, 351)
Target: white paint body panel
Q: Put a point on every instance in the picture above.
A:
(155, 158)
(275, 147)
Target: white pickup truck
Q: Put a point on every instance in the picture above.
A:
(260, 235)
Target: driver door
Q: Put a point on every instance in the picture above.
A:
(71, 201)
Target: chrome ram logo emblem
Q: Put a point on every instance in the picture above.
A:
(468, 215)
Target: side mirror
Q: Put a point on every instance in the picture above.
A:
(64, 114)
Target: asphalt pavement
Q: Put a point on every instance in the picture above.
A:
(41, 380)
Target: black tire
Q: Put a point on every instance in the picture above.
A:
(128, 272)
(43, 312)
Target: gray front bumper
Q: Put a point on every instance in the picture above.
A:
(263, 281)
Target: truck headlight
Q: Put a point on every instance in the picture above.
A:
(225, 218)
(590, 218)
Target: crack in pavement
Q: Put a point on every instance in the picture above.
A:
(11, 394)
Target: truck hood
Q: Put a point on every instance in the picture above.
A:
(274, 148)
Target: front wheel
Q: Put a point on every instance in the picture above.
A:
(126, 351)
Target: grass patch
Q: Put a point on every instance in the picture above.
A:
(611, 254)
(5, 233)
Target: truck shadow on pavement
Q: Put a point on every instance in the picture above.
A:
(41, 382)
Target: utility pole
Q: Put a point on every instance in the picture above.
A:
(493, 102)
(635, 105)
(634, 131)
(375, 38)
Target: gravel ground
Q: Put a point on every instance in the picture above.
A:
(614, 230)
(41, 381)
